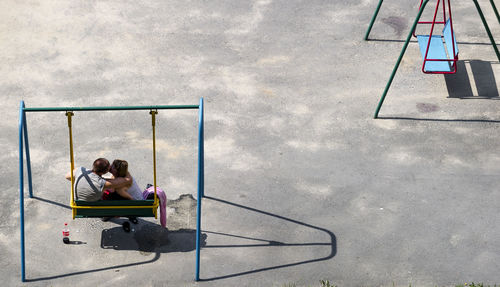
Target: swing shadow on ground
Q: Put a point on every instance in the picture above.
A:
(155, 258)
(73, 242)
(459, 84)
(459, 87)
(52, 202)
(438, 120)
(147, 238)
(266, 243)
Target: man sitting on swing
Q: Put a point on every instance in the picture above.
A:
(89, 184)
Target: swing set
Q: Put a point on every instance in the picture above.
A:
(104, 208)
(439, 52)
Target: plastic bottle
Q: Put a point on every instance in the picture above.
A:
(65, 233)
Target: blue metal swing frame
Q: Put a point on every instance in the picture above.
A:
(24, 148)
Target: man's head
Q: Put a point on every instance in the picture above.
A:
(101, 166)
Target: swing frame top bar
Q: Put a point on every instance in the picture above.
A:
(111, 108)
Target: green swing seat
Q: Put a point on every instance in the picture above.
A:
(120, 210)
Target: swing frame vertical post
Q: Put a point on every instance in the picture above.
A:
(201, 187)
(373, 20)
(153, 114)
(22, 121)
(69, 115)
(398, 62)
(487, 28)
(27, 151)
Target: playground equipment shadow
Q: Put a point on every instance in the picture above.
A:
(266, 243)
(52, 202)
(459, 84)
(155, 258)
(148, 238)
(439, 120)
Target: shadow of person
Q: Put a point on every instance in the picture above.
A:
(148, 237)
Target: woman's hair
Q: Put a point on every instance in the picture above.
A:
(121, 167)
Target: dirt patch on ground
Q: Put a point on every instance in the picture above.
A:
(181, 213)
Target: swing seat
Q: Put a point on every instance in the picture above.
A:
(439, 50)
(103, 208)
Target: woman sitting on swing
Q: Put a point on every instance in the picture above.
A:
(119, 168)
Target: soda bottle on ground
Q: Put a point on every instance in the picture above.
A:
(65, 233)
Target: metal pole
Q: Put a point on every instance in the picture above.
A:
(69, 115)
(21, 188)
(373, 20)
(202, 148)
(200, 190)
(400, 58)
(487, 29)
(110, 108)
(28, 160)
(430, 36)
(153, 117)
(495, 10)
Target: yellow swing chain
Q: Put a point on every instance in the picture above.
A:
(69, 115)
(153, 117)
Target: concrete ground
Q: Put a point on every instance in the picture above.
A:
(302, 183)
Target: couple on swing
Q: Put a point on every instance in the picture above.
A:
(119, 168)
(91, 186)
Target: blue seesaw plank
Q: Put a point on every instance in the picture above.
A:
(436, 51)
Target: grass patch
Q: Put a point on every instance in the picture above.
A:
(323, 283)
(475, 285)
(326, 283)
